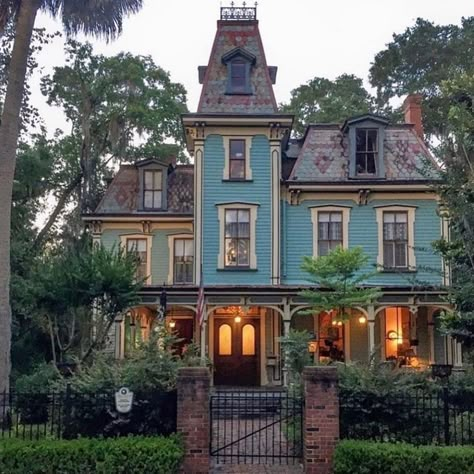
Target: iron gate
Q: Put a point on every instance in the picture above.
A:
(256, 427)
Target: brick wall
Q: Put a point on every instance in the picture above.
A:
(321, 419)
(194, 418)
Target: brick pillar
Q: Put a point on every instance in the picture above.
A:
(193, 418)
(321, 419)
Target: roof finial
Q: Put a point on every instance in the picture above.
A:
(239, 13)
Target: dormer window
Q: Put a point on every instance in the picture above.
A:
(239, 63)
(366, 146)
(366, 151)
(153, 189)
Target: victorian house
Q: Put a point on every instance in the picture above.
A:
(239, 220)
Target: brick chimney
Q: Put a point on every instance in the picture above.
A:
(412, 111)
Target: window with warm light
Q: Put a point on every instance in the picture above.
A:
(397, 332)
(331, 338)
(225, 340)
(237, 238)
(248, 340)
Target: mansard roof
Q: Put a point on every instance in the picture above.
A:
(237, 37)
(324, 155)
(122, 195)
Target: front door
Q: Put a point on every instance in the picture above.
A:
(236, 352)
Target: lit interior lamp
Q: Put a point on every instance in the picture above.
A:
(392, 335)
(334, 322)
(172, 324)
(339, 323)
(237, 319)
(362, 319)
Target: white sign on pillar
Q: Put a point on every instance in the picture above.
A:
(124, 400)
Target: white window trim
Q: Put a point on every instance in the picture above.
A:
(171, 239)
(410, 210)
(253, 226)
(248, 146)
(149, 241)
(315, 210)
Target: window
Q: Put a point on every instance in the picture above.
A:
(397, 332)
(395, 240)
(225, 340)
(248, 340)
(238, 76)
(237, 159)
(331, 338)
(330, 228)
(329, 231)
(366, 151)
(139, 248)
(152, 189)
(183, 260)
(396, 237)
(237, 238)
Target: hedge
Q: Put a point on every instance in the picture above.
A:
(365, 457)
(133, 455)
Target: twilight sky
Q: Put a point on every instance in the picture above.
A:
(304, 38)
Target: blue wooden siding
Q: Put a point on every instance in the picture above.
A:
(363, 232)
(159, 249)
(217, 191)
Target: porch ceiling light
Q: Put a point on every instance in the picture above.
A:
(237, 319)
(172, 324)
(362, 319)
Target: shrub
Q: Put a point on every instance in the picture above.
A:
(86, 456)
(363, 457)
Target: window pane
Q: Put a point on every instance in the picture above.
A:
(156, 199)
(401, 231)
(225, 340)
(141, 247)
(323, 248)
(238, 74)
(370, 163)
(336, 216)
(179, 248)
(323, 231)
(148, 199)
(388, 251)
(402, 217)
(389, 217)
(157, 180)
(244, 252)
(336, 231)
(361, 142)
(189, 247)
(400, 255)
(231, 223)
(244, 229)
(237, 169)
(237, 149)
(248, 340)
(371, 140)
(148, 179)
(231, 252)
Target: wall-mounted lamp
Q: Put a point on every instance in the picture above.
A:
(392, 335)
(237, 319)
(362, 319)
(172, 324)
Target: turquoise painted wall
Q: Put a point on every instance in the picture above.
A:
(159, 249)
(363, 232)
(216, 191)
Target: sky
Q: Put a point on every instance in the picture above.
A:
(304, 38)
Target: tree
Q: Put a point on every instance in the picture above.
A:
(89, 16)
(457, 195)
(418, 61)
(111, 101)
(339, 282)
(322, 100)
(84, 288)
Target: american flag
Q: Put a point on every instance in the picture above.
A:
(200, 303)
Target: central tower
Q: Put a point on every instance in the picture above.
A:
(236, 139)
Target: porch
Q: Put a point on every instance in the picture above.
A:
(241, 333)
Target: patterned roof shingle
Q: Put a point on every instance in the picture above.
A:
(231, 35)
(325, 155)
(122, 195)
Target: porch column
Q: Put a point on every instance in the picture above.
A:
(371, 330)
(202, 339)
(286, 330)
(413, 325)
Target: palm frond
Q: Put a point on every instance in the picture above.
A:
(100, 18)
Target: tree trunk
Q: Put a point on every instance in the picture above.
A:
(9, 131)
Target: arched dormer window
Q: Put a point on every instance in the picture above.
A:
(153, 179)
(239, 63)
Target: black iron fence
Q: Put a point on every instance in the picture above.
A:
(68, 415)
(443, 416)
(256, 427)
